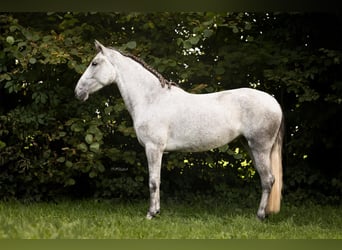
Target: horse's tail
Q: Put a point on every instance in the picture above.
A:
(274, 199)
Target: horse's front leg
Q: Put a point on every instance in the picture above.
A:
(154, 158)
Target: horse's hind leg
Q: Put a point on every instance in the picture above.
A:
(262, 164)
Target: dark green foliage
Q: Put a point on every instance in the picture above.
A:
(51, 144)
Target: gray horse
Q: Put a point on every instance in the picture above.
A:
(171, 119)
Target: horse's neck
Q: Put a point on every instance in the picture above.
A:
(138, 86)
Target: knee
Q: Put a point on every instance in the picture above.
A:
(153, 185)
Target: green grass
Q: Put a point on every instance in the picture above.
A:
(199, 220)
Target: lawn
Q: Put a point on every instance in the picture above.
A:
(181, 220)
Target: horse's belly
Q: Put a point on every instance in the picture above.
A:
(202, 127)
(201, 141)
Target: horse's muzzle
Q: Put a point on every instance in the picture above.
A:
(81, 95)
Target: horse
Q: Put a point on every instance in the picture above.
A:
(169, 119)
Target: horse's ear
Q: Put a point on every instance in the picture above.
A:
(99, 47)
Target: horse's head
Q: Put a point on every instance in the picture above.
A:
(99, 73)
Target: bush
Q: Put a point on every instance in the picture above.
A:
(51, 144)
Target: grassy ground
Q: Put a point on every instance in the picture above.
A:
(201, 220)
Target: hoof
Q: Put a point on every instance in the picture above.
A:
(151, 215)
(261, 216)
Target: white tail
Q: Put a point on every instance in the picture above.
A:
(274, 199)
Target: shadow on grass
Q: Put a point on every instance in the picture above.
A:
(201, 207)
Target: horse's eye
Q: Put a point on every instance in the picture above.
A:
(93, 63)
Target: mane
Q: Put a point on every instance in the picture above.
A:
(161, 79)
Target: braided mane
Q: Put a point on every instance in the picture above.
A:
(162, 80)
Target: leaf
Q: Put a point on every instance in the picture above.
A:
(223, 149)
(208, 33)
(230, 152)
(194, 40)
(95, 147)
(235, 29)
(5, 77)
(35, 37)
(187, 44)
(43, 98)
(22, 44)
(108, 109)
(71, 121)
(92, 174)
(76, 127)
(68, 164)
(161, 68)
(237, 156)
(62, 134)
(83, 147)
(8, 84)
(249, 38)
(101, 168)
(131, 45)
(10, 39)
(14, 28)
(172, 63)
(2, 144)
(61, 159)
(93, 129)
(70, 182)
(89, 138)
(248, 26)
(32, 60)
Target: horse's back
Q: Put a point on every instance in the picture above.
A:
(200, 122)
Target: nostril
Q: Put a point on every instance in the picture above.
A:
(81, 90)
(76, 92)
(81, 95)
